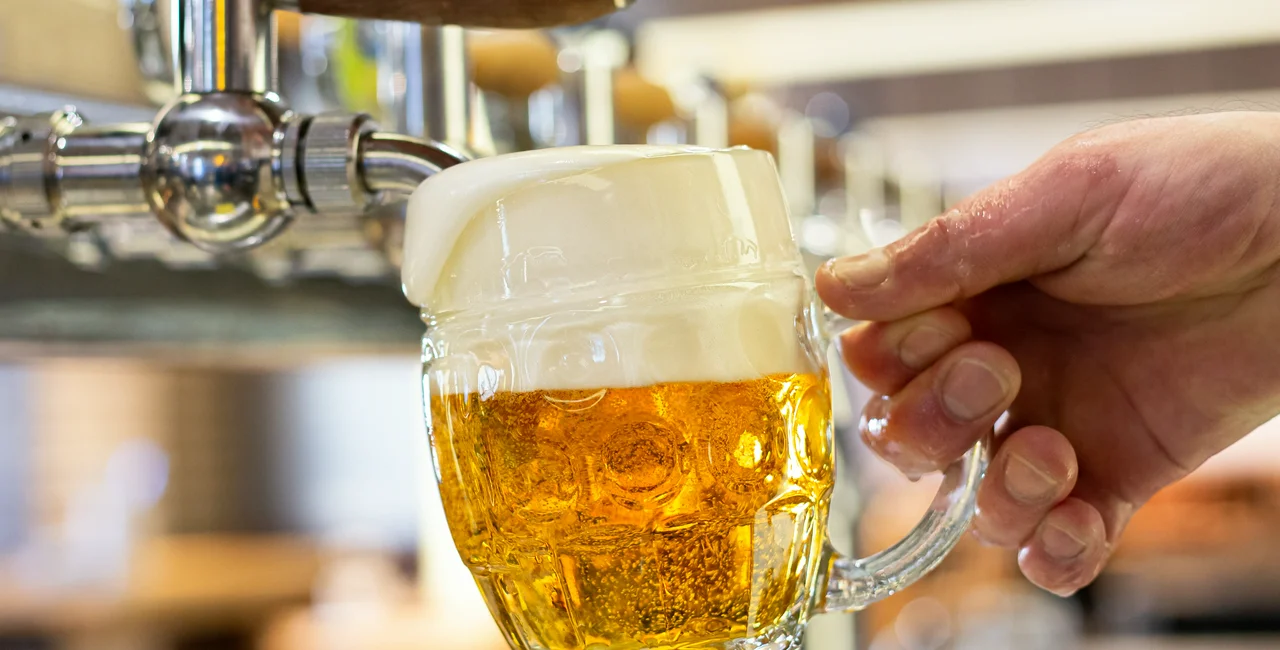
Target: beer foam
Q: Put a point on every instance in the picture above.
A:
(598, 267)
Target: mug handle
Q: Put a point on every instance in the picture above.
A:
(853, 584)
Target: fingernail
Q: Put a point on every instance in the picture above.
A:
(1027, 483)
(862, 272)
(1061, 543)
(971, 389)
(922, 346)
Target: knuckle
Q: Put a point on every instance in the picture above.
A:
(990, 532)
(934, 247)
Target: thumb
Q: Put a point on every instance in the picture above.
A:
(1039, 221)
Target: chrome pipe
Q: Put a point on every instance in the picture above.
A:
(390, 162)
(341, 163)
(395, 165)
(25, 168)
(226, 45)
(704, 110)
(603, 53)
(584, 108)
(155, 59)
(224, 171)
(58, 175)
(424, 82)
(398, 57)
(710, 115)
(445, 87)
(796, 166)
(865, 175)
(97, 172)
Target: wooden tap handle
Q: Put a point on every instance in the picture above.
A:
(639, 103)
(469, 13)
(513, 63)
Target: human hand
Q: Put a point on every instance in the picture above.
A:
(1120, 299)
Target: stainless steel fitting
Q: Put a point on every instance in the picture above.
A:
(27, 171)
(212, 169)
(224, 171)
(59, 175)
(226, 166)
(319, 162)
(343, 163)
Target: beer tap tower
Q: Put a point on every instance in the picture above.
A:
(227, 165)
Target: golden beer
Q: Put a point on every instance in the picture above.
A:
(674, 515)
(625, 374)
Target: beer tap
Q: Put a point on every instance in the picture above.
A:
(580, 109)
(704, 108)
(511, 67)
(226, 166)
(146, 26)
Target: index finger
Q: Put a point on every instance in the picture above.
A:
(1038, 221)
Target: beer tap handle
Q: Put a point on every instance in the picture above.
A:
(476, 13)
(515, 65)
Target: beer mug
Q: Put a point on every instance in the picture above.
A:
(628, 402)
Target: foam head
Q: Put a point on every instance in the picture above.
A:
(609, 266)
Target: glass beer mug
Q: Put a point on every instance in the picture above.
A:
(629, 407)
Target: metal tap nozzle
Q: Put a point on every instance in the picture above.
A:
(342, 163)
(226, 166)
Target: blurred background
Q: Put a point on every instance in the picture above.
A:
(227, 453)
